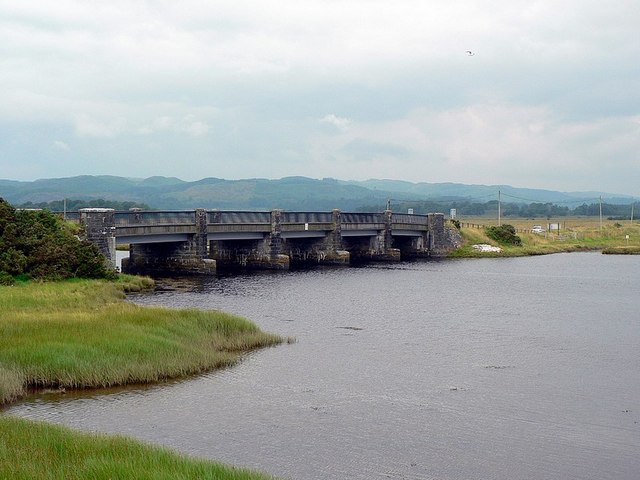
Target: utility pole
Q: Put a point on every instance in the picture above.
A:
(498, 207)
(64, 208)
(600, 214)
(632, 204)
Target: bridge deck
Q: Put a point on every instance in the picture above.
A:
(173, 226)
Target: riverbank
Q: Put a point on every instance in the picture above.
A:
(82, 334)
(34, 450)
(612, 238)
(631, 250)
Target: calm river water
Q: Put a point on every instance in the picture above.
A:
(525, 368)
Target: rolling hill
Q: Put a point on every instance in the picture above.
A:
(289, 193)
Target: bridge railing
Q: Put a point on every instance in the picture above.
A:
(306, 217)
(409, 219)
(238, 221)
(156, 217)
(362, 221)
(238, 217)
(406, 221)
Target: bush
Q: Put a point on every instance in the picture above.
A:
(12, 261)
(6, 279)
(38, 244)
(505, 234)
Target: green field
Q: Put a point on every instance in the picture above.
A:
(575, 234)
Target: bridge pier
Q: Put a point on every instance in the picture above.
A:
(100, 229)
(439, 244)
(334, 252)
(377, 248)
(328, 250)
(177, 258)
(387, 253)
(268, 254)
(433, 242)
(264, 253)
(188, 257)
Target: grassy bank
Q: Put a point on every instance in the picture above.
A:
(576, 234)
(81, 334)
(33, 450)
(630, 250)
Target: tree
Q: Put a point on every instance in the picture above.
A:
(40, 245)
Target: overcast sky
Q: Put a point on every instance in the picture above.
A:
(549, 97)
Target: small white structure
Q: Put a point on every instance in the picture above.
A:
(483, 247)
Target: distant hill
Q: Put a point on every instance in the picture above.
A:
(290, 193)
(459, 191)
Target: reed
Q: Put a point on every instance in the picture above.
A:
(82, 334)
(33, 450)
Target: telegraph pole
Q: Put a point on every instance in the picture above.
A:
(498, 207)
(600, 214)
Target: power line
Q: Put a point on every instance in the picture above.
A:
(594, 200)
(441, 202)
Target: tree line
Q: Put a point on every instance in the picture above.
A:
(75, 205)
(509, 209)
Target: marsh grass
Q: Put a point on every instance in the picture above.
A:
(33, 450)
(81, 334)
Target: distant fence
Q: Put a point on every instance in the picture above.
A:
(472, 225)
(480, 226)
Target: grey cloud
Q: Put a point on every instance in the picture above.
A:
(316, 88)
(361, 149)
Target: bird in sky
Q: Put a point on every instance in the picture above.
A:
(470, 53)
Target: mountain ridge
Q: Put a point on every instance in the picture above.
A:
(290, 193)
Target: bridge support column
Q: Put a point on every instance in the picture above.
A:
(100, 229)
(181, 258)
(438, 245)
(338, 255)
(332, 250)
(268, 254)
(326, 249)
(383, 250)
(414, 247)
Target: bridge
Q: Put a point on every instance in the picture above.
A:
(201, 241)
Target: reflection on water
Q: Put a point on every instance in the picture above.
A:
(492, 369)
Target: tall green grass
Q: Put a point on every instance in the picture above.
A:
(33, 450)
(81, 334)
(586, 238)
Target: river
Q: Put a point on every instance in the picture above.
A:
(523, 368)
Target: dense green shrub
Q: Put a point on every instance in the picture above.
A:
(6, 279)
(505, 234)
(40, 245)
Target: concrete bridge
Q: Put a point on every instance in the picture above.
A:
(200, 241)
